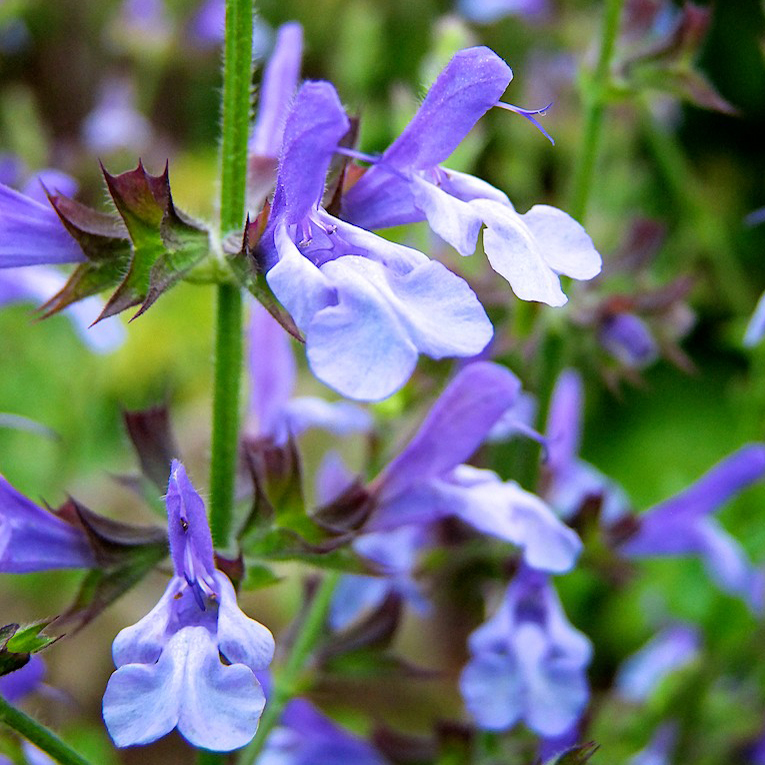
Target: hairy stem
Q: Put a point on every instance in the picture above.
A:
(39, 735)
(236, 108)
(237, 82)
(286, 681)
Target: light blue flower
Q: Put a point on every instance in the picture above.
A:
(190, 662)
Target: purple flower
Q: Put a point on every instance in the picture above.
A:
(527, 662)
(367, 306)
(190, 662)
(407, 185)
(33, 539)
(307, 737)
(20, 683)
(486, 11)
(280, 80)
(627, 338)
(671, 649)
(427, 480)
(115, 123)
(32, 234)
(681, 525)
(276, 414)
(568, 480)
(39, 283)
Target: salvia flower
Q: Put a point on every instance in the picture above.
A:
(367, 306)
(307, 737)
(275, 413)
(428, 481)
(34, 539)
(407, 185)
(682, 525)
(527, 662)
(668, 651)
(190, 662)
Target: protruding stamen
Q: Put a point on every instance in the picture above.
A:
(360, 155)
(529, 115)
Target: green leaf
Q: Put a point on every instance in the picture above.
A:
(28, 639)
(18, 643)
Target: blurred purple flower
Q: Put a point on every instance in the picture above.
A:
(32, 234)
(568, 480)
(307, 737)
(682, 525)
(367, 306)
(486, 11)
(756, 327)
(11, 169)
(659, 748)
(280, 81)
(208, 26)
(276, 415)
(671, 649)
(407, 185)
(190, 662)
(427, 480)
(115, 123)
(20, 683)
(35, 756)
(393, 553)
(629, 340)
(527, 662)
(33, 539)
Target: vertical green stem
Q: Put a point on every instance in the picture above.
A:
(237, 85)
(595, 88)
(286, 681)
(39, 735)
(237, 91)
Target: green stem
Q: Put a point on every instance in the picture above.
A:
(595, 96)
(237, 98)
(237, 83)
(286, 681)
(39, 735)
(228, 365)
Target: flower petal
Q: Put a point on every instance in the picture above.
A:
(359, 347)
(220, 705)
(272, 371)
(32, 234)
(297, 283)
(455, 221)
(142, 701)
(240, 639)
(339, 417)
(470, 84)
(280, 80)
(492, 687)
(515, 255)
(315, 125)
(188, 529)
(566, 246)
(33, 539)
